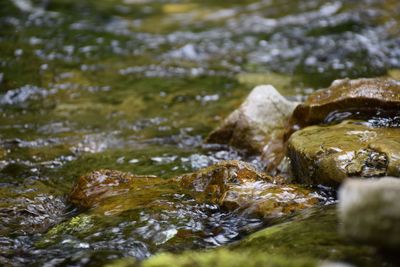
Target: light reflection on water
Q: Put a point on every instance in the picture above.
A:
(137, 85)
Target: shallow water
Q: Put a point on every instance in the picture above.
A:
(136, 85)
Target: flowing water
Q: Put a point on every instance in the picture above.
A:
(136, 85)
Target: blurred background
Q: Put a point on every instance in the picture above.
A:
(136, 85)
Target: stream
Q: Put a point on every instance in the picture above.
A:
(136, 86)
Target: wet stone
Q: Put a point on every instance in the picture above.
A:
(269, 200)
(212, 183)
(232, 186)
(92, 188)
(330, 154)
(344, 99)
(237, 186)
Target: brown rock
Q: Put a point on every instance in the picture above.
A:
(347, 98)
(235, 185)
(231, 184)
(268, 200)
(97, 186)
(212, 183)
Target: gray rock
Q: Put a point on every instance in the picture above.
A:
(369, 211)
(258, 124)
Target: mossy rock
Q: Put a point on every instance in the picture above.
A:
(237, 186)
(313, 234)
(330, 154)
(79, 225)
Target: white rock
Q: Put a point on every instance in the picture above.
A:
(258, 124)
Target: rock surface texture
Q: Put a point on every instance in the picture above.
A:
(258, 125)
(212, 183)
(93, 188)
(233, 185)
(236, 185)
(268, 200)
(329, 154)
(347, 98)
(369, 211)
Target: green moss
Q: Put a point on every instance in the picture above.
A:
(312, 235)
(223, 257)
(76, 224)
(124, 262)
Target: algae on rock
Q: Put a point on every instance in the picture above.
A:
(329, 154)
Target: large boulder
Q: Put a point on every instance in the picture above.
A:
(347, 98)
(329, 154)
(258, 124)
(369, 211)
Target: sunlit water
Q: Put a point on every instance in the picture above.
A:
(136, 86)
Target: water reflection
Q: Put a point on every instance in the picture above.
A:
(136, 85)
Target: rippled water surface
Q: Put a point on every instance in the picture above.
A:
(136, 85)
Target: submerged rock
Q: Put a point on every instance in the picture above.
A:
(236, 185)
(232, 185)
(347, 98)
(369, 211)
(212, 183)
(208, 208)
(92, 188)
(258, 124)
(329, 154)
(268, 200)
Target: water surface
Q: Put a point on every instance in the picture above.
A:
(136, 85)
